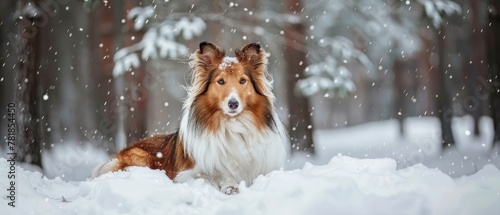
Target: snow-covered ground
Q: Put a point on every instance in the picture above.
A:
(365, 169)
(421, 144)
(344, 186)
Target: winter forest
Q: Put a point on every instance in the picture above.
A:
(385, 102)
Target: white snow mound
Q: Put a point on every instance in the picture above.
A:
(344, 186)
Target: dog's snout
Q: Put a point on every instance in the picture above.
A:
(233, 103)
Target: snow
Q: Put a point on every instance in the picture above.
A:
(227, 61)
(364, 169)
(435, 10)
(330, 75)
(191, 28)
(141, 15)
(344, 186)
(420, 144)
(159, 39)
(71, 161)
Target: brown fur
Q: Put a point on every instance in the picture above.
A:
(144, 153)
(210, 93)
(255, 94)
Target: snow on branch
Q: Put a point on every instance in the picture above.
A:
(436, 10)
(159, 40)
(141, 16)
(191, 28)
(330, 75)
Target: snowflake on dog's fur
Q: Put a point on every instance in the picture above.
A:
(227, 61)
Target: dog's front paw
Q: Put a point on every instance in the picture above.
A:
(230, 189)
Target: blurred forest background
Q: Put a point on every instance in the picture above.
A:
(106, 73)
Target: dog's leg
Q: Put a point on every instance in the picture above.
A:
(132, 156)
(226, 184)
(189, 174)
(229, 186)
(104, 168)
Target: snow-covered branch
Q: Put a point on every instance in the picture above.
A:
(436, 10)
(159, 39)
(331, 75)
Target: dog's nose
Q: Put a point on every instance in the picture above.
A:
(233, 103)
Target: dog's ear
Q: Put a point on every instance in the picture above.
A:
(203, 62)
(254, 60)
(252, 55)
(209, 54)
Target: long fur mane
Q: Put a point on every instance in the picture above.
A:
(238, 147)
(224, 149)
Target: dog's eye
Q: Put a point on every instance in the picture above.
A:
(221, 81)
(242, 81)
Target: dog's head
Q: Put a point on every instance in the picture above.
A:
(228, 86)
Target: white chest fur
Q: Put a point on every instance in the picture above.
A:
(238, 151)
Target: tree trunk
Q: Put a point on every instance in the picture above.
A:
(101, 37)
(427, 71)
(7, 45)
(29, 134)
(300, 119)
(399, 103)
(478, 64)
(493, 49)
(443, 101)
(136, 93)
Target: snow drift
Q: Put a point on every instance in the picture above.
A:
(344, 186)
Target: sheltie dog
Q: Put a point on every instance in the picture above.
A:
(229, 131)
